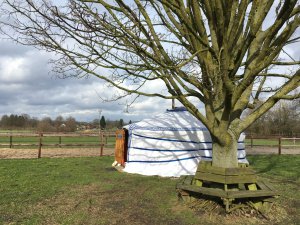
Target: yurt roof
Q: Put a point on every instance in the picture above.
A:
(178, 119)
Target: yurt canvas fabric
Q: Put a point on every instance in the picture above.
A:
(170, 144)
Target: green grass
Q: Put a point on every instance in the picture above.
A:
(89, 191)
(40, 185)
(55, 140)
(285, 167)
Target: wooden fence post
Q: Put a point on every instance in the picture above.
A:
(40, 145)
(59, 141)
(101, 150)
(10, 141)
(251, 141)
(101, 143)
(279, 146)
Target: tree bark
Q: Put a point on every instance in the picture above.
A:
(225, 156)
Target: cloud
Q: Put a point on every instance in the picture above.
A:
(27, 86)
(10, 49)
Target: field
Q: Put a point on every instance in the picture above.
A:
(55, 145)
(31, 140)
(89, 191)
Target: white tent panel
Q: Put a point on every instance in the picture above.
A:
(170, 144)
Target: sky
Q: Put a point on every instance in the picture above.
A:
(28, 87)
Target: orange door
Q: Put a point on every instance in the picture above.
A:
(121, 146)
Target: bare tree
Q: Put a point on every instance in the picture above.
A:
(46, 125)
(283, 119)
(222, 53)
(71, 124)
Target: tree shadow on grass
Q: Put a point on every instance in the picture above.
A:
(264, 164)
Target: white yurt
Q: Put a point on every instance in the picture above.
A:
(170, 144)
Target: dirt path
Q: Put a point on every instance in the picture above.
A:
(7, 153)
(271, 150)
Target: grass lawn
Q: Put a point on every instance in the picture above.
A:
(89, 191)
(55, 140)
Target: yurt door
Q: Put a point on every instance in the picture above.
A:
(121, 146)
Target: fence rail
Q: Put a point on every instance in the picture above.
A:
(100, 140)
(39, 140)
(277, 141)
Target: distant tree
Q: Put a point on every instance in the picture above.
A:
(102, 122)
(260, 127)
(110, 124)
(27, 119)
(33, 122)
(95, 123)
(71, 124)
(12, 120)
(19, 121)
(58, 123)
(5, 121)
(45, 125)
(121, 123)
(283, 119)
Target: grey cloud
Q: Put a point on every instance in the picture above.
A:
(10, 49)
(31, 89)
(37, 93)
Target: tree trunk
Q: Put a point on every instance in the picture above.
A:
(225, 155)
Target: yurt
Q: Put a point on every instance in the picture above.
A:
(169, 144)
